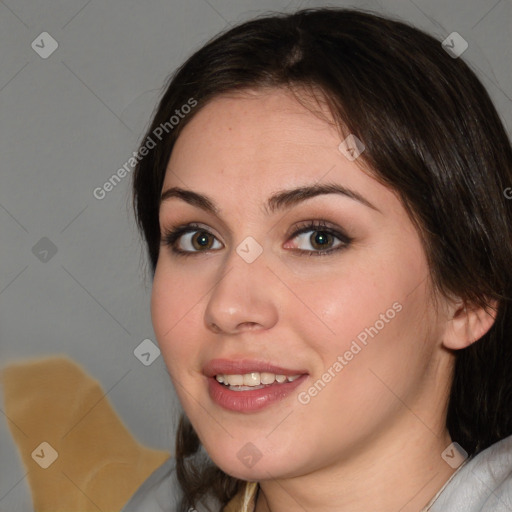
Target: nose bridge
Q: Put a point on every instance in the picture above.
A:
(241, 294)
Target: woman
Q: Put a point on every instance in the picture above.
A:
(375, 377)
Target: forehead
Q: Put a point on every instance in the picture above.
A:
(243, 147)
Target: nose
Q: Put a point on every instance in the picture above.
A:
(243, 298)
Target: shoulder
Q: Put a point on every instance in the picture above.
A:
(482, 484)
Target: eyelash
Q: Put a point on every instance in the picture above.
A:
(170, 237)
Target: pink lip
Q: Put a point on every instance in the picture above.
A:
(251, 400)
(242, 366)
(254, 399)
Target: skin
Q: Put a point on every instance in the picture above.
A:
(373, 437)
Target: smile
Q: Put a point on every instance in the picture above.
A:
(253, 380)
(245, 385)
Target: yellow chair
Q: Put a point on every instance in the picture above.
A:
(79, 455)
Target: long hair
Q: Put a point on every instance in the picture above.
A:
(431, 133)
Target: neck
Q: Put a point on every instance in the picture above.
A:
(390, 475)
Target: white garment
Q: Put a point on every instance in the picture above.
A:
(482, 484)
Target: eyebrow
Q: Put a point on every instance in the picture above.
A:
(277, 201)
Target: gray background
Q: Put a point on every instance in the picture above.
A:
(68, 122)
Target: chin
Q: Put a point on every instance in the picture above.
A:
(251, 464)
(257, 473)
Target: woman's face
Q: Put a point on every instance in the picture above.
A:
(331, 287)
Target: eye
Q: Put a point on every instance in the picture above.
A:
(193, 239)
(189, 239)
(316, 238)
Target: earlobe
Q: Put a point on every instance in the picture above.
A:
(468, 324)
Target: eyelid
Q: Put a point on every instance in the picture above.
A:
(317, 224)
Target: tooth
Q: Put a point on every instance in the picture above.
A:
(234, 380)
(267, 378)
(252, 379)
(246, 388)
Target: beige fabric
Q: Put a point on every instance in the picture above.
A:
(99, 464)
(245, 500)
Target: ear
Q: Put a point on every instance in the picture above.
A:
(468, 323)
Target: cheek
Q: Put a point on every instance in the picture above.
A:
(380, 348)
(173, 306)
(341, 306)
(372, 312)
(361, 370)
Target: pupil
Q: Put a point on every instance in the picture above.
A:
(321, 238)
(202, 239)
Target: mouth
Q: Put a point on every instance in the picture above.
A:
(253, 380)
(248, 386)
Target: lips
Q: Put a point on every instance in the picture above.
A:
(245, 399)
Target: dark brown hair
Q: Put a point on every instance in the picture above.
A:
(431, 133)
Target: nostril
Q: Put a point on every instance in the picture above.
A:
(249, 324)
(214, 327)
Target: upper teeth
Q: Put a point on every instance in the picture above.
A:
(253, 379)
